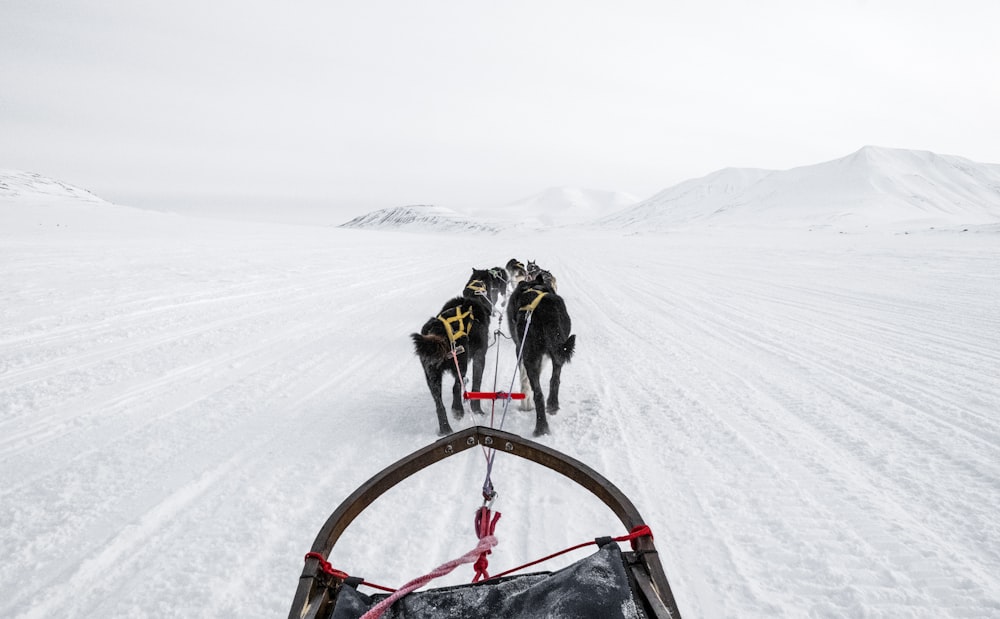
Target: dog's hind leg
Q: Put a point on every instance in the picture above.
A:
(434, 378)
(534, 368)
(456, 399)
(528, 403)
(552, 404)
(478, 364)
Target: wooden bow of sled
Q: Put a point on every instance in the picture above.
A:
(319, 585)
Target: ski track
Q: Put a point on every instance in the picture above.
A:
(723, 333)
(804, 441)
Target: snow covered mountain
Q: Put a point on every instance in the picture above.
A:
(419, 217)
(17, 184)
(692, 200)
(558, 206)
(871, 186)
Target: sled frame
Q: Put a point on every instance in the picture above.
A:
(318, 590)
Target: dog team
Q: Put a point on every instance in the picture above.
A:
(539, 325)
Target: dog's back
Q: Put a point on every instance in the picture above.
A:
(451, 326)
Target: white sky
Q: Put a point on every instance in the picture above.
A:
(363, 105)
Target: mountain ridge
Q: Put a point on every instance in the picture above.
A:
(21, 184)
(419, 216)
(874, 185)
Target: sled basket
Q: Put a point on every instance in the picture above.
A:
(608, 584)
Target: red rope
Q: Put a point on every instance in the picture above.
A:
(329, 570)
(484, 545)
(637, 531)
(325, 566)
(484, 528)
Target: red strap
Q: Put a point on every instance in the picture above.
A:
(484, 527)
(325, 566)
(639, 530)
(329, 570)
(636, 532)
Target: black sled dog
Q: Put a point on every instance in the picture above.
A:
(488, 284)
(516, 272)
(444, 345)
(533, 271)
(483, 289)
(540, 327)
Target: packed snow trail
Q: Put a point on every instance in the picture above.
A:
(808, 421)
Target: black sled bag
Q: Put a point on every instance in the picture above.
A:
(595, 587)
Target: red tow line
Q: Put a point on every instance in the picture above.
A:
(492, 395)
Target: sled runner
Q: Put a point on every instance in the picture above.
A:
(607, 584)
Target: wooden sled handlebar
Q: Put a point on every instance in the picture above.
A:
(312, 600)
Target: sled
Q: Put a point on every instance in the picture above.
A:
(606, 584)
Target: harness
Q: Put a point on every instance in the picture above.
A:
(464, 327)
(477, 286)
(539, 293)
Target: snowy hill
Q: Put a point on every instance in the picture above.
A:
(690, 201)
(19, 185)
(558, 206)
(36, 206)
(419, 217)
(871, 186)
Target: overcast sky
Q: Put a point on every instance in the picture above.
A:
(369, 104)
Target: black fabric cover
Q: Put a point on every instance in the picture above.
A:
(595, 587)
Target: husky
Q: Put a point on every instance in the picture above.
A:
(516, 272)
(534, 271)
(540, 327)
(444, 345)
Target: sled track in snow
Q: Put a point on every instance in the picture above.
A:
(805, 429)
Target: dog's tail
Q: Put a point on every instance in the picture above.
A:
(565, 351)
(430, 346)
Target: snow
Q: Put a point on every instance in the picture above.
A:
(873, 187)
(808, 421)
(557, 206)
(425, 216)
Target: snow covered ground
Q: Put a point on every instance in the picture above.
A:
(809, 421)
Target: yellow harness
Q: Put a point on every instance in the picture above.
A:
(477, 286)
(530, 307)
(464, 327)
